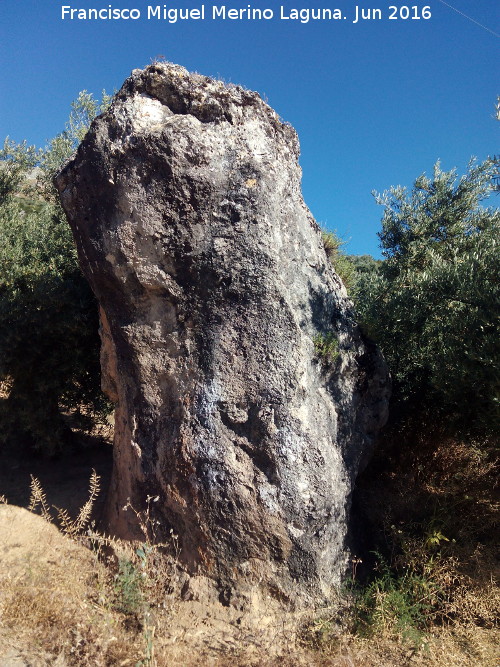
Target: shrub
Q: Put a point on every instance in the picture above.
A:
(49, 343)
(433, 304)
(128, 588)
(394, 605)
(326, 348)
(340, 261)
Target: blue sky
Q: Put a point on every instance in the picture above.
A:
(375, 103)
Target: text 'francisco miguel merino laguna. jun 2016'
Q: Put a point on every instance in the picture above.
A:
(172, 14)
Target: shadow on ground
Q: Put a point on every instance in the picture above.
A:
(65, 478)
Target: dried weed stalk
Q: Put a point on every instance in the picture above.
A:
(77, 526)
(38, 498)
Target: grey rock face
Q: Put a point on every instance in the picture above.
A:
(215, 290)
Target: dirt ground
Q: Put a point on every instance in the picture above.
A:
(54, 602)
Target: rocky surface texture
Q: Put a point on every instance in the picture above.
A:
(217, 305)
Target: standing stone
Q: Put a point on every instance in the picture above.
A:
(216, 300)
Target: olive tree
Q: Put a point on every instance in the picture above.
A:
(433, 304)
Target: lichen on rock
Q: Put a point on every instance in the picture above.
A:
(185, 203)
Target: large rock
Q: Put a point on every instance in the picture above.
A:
(216, 299)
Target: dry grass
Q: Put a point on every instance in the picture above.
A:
(433, 500)
(56, 600)
(71, 596)
(55, 597)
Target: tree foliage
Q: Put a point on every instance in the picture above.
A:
(49, 344)
(433, 305)
(83, 111)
